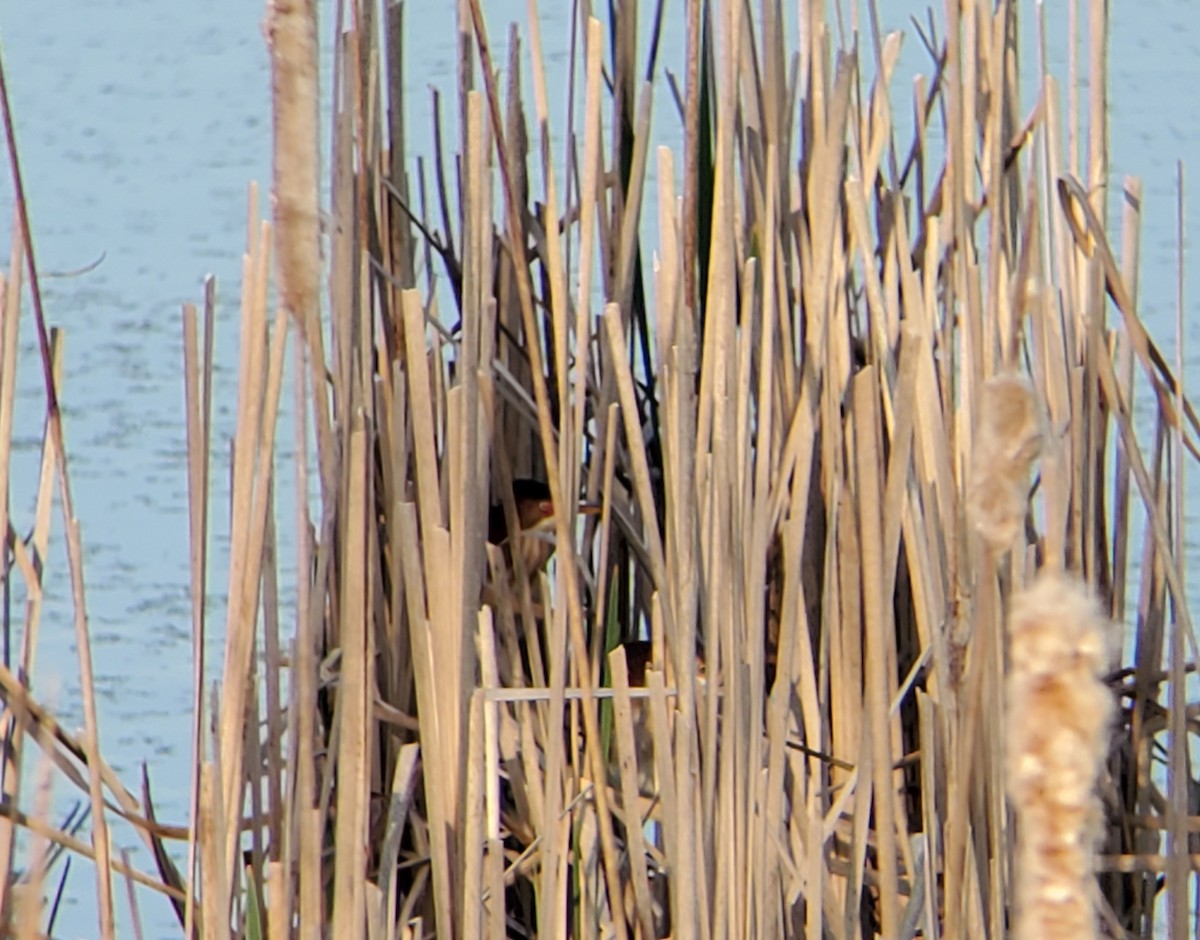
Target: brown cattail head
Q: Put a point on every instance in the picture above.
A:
(292, 38)
(1008, 439)
(1059, 713)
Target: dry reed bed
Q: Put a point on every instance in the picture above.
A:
(807, 395)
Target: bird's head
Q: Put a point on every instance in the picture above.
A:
(535, 511)
(535, 508)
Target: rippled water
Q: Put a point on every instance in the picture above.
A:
(140, 124)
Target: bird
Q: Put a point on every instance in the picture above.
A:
(526, 553)
(535, 517)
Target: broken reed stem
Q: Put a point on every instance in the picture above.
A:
(353, 703)
(100, 840)
(29, 901)
(197, 370)
(1059, 715)
(10, 291)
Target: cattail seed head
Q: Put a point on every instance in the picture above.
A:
(1007, 440)
(1059, 713)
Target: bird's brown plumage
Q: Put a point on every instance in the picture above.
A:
(535, 515)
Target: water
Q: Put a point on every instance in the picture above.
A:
(140, 124)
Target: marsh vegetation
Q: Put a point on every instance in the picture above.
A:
(847, 393)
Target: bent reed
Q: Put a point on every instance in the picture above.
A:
(847, 392)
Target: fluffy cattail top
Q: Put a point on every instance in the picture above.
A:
(1059, 711)
(1007, 441)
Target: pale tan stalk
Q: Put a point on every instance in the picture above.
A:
(269, 844)
(239, 631)
(627, 755)
(100, 839)
(403, 783)
(30, 901)
(879, 688)
(135, 914)
(691, 141)
(589, 193)
(311, 822)
(473, 823)
(10, 318)
(1130, 255)
(431, 722)
(554, 243)
(1177, 810)
(198, 405)
(349, 916)
(240, 643)
(278, 899)
(214, 875)
(9, 336)
(465, 476)
(1178, 773)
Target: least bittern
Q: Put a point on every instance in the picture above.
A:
(535, 515)
(525, 555)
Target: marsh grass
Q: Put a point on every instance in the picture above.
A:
(808, 396)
